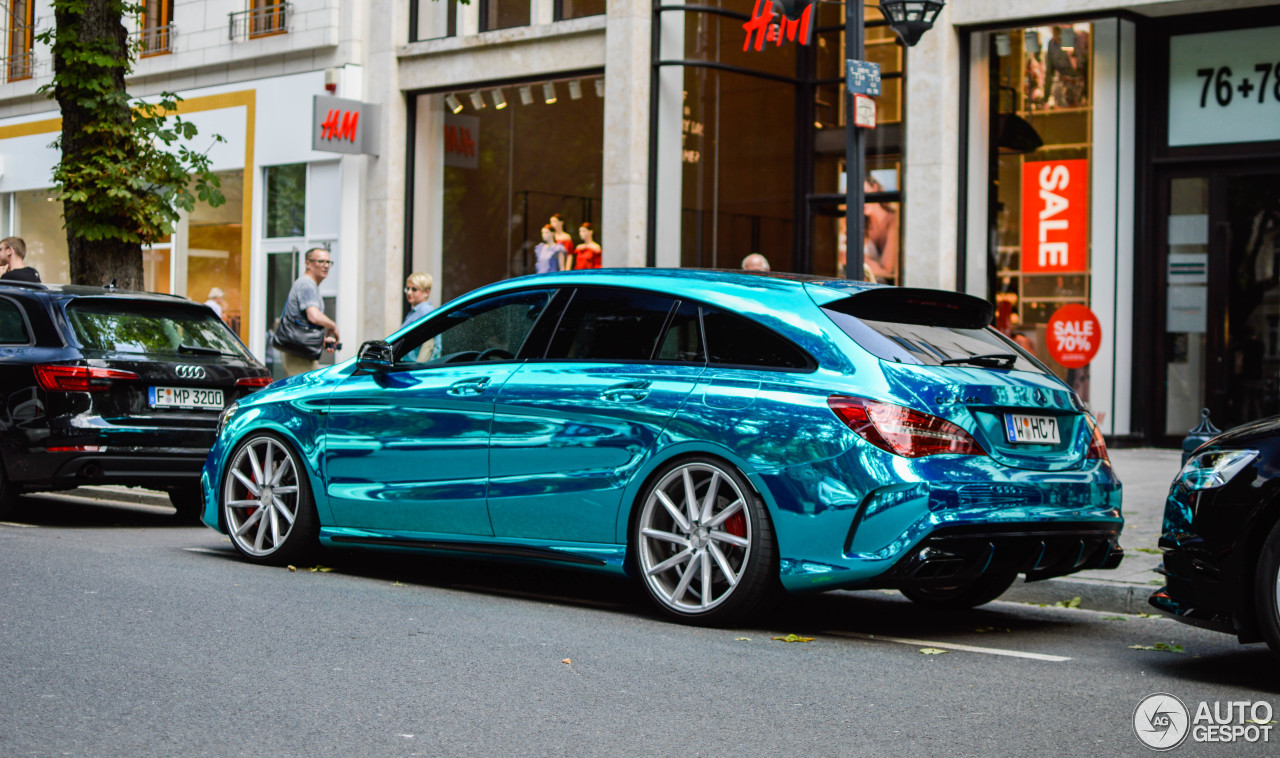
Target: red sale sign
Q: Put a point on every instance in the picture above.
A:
(1074, 335)
(1055, 217)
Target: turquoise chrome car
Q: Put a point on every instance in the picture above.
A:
(721, 435)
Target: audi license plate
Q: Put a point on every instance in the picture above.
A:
(186, 397)
(1036, 429)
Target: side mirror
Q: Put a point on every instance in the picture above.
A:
(375, 356)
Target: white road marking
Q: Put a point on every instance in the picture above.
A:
(953, 646)
(206, 550)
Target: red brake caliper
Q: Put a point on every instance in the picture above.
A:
(736, 525)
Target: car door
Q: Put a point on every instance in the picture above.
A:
(406, 450)
(571, 428)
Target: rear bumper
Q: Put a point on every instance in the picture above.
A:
(950, 556)
(142, 467)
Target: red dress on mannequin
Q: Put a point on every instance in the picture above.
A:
(586, 256)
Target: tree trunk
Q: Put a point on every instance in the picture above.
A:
(101, 261)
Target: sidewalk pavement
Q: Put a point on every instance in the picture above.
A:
(1145, 472)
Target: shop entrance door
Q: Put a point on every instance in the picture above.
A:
(1220, 239)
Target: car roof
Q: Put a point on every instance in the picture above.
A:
(73, 291)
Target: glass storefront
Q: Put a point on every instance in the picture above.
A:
(513, 155)
(301, 211)
(1041, 116)
(762, 140)
(203, 254)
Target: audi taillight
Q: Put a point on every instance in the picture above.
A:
(256, 382)
(1097, 446)
(59, 378)
(903, 431)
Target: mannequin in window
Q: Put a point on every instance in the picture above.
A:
(586, 255)
(561, 236)
(882, 233)
(548, 254)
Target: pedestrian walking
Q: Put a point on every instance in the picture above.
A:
(417, 288)
(305, 332)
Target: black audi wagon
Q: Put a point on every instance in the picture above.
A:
(105, 386)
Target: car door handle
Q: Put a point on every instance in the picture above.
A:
(473, 386)
(627, 392)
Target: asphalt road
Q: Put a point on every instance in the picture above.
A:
(122, 634)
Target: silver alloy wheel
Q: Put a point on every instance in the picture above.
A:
(695, 525)
(260, 496)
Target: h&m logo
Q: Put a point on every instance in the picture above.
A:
(340, 124)
(763, 28)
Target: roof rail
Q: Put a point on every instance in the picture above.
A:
(26, 285)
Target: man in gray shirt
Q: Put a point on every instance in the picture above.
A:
(304, 304)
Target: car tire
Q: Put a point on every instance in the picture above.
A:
(982, 590)
(704, 544)
(188, 501)
(274, 524)
(1266, 590)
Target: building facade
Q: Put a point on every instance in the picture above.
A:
(1124, 157)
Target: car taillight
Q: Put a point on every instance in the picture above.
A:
(1097, 446)
(902, 431)
(78, 378)
(257, 382)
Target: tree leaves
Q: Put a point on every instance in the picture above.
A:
(794, 638)
(127, 169)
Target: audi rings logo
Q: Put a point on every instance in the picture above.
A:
(191, 372)
(1161, 721)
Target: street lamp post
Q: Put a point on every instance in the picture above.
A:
(909, 19)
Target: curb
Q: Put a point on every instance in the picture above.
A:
(117, 494)
(1095, 595)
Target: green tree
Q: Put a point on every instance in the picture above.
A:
(126, 169)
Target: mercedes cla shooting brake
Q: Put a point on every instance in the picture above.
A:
(721, 436)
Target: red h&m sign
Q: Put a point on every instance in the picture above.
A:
(1055, 217)
(762, 28)
(461, 141)
(343, 126)
(340, 124)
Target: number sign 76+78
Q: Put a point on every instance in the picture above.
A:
(1224, 87)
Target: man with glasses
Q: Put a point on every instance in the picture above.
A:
(305, 309)
(13, 254)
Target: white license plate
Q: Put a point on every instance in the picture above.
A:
(186, 397)
(1035, 429)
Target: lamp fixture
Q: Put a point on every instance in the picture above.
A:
(1003, 46)
(452, 102)
(1033, 41)
(1067, 38)
(575, 89)
(477, 101)
(549, 93)
(499, 99)
(526, 95)
(911, 18)
(600, 88)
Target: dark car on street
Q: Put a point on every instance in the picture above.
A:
(1221, 537)
(104, 386)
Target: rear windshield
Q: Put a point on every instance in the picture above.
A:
(927, 345)
(125, 327)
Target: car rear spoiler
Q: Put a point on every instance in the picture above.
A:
(905, 305)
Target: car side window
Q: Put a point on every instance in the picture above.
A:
(13, 327)
(493, 329)
(736, 341)
(610, 324)
(682, 341)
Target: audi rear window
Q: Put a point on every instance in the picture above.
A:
(137, 327)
